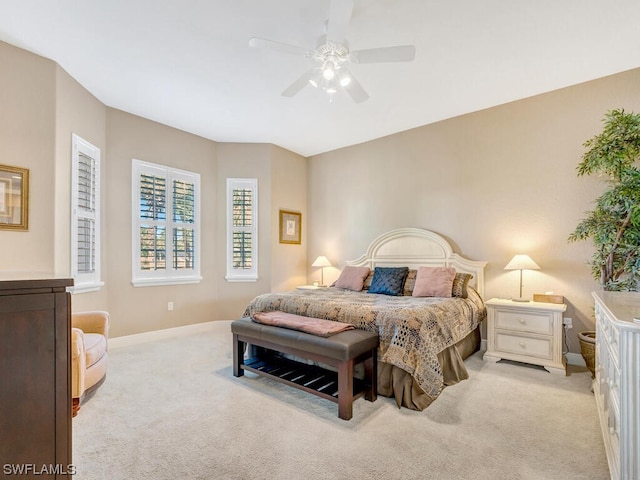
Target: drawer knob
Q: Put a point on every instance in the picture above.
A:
(522, 321)
(523, 345)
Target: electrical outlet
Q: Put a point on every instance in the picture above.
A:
(170, 306)
(568, 323)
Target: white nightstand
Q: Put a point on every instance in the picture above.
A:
(529, 332)
(308, 287)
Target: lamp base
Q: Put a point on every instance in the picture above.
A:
(523, 300)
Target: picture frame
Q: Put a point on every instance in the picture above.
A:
(14, 198)
(290, 227)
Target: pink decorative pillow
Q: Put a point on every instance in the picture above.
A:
(352, 278)
(434, 282)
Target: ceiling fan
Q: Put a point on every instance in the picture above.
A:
(332, 56)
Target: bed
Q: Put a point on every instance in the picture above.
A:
(423, 340)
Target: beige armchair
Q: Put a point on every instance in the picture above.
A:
(89, 334)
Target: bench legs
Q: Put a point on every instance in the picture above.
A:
(371, 374)
(345, 390)
(238, 356)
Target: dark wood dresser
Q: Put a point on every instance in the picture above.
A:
(35, 378)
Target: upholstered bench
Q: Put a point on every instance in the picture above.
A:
(343, 351)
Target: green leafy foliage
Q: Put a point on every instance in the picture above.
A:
(614, 224)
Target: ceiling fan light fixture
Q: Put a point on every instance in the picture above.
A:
(345, 80)
(328, 73)
(332, 56)
(316, 79)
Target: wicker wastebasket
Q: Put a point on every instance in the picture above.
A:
(588, 350)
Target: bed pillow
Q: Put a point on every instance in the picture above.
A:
(409, 283)
(367, 281)
(352, 278)
(434, 282)
(388, 280)
(461, 284)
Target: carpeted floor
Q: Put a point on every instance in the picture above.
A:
(171, 409)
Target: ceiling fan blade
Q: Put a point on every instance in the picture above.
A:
(298, 85)
(339, 17)
(354, 89)
(401, 53)
(257, 42)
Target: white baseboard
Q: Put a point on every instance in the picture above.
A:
(139, 338)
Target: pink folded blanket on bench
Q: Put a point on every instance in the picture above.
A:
(314, 326)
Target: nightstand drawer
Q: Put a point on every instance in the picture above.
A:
(525, 321)
(522, 345)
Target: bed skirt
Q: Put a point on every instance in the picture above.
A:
(397, 383)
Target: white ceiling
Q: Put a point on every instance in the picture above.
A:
(188, 64)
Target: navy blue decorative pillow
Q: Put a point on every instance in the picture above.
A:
(388, 280)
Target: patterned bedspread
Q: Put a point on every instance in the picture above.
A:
(412, 330)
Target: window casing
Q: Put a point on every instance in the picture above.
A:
(166, 225)
(242, 229)
(85, 216)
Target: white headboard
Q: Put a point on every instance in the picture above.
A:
(415, 247)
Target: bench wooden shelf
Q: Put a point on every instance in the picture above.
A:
(310, 378)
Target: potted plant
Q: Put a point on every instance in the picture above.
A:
(614, 223)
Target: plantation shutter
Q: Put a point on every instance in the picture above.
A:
(242, 231)
(167, 225)
(153, 213)
(183, 230)
(242, 228)
(85, 216)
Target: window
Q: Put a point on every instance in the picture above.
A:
(242, 229)
(166, 225)
(85, 216)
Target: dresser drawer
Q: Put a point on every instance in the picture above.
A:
(613, 385)
(523, 321)
(611, 337)
(539, 347)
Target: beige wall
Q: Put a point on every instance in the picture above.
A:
(289, 192)
(494, 183)
(139, 309)
(79, 112)
(237, 160)
(281, 185)
(43, 106)
(27, 139)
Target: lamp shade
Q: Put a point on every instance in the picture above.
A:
(522, 262)
(321, 261)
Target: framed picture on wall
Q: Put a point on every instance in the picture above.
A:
(290, 227)
(14, 198)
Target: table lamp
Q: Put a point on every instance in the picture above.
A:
(322, 262)
(521, 262)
